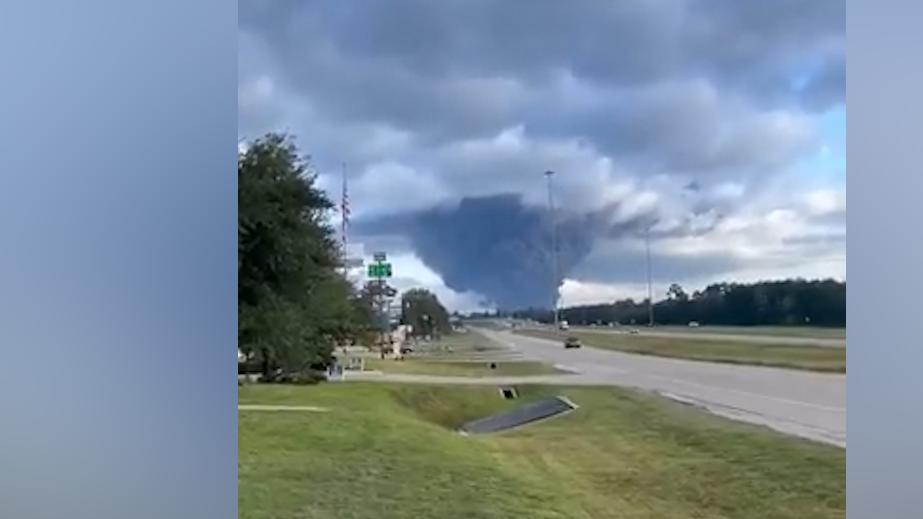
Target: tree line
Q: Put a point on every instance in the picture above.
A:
(787, 302)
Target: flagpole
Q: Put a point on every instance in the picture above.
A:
(344, 210)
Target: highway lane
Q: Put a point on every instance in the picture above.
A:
(803, 403)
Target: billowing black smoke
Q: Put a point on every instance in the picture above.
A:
(499, 247)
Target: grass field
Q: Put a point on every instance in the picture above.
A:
(808, 357)
(461, 368)
(390, 451)
(459, 345)
(812, 332)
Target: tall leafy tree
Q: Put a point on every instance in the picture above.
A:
(292, 302)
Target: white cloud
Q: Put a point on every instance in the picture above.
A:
(761, 237)
(410, 272)
(825, 201)
(728, 190)
(515, 161)
(636, 205)
(394, 187)
(574, 292)
(671, 120)
(254, 92)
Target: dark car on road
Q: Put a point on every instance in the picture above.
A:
(572, 342)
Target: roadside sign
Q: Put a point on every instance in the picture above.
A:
(380, 256)
(379, 270)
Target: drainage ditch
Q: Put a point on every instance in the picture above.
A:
(529, 413)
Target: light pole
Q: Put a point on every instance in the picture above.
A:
(554, 252)
(650, 291)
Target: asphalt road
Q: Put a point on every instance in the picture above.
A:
(803, 403)
(732, 337)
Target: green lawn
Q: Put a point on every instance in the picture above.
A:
(459, 345)
(390, 451)
(461, 368)
(814, 332)
(815, 358)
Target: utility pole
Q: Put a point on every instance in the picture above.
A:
(554, 252)
(650, 291)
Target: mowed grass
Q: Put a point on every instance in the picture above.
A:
(461, 368)
(390, 451)
(459, 345)
(815, 358)
(812, 332)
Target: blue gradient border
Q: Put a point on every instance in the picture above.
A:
(117, 266)
(885, 358)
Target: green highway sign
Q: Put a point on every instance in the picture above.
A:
(380, 270)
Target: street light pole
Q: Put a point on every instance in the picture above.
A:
(650, 291)
(554, 252)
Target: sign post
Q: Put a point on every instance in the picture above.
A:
(381, 294)
(379, 270)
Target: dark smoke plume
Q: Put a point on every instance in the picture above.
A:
(499, 247)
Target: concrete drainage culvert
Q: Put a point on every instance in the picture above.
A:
(520, 416)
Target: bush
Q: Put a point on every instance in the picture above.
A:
(250, 367)
(304, 378)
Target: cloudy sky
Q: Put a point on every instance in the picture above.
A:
(717, 128)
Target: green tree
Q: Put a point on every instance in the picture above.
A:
(292, 303)
(676, 293)
(421, 309)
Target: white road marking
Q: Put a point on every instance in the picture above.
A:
(752, 395)
(256, 407)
